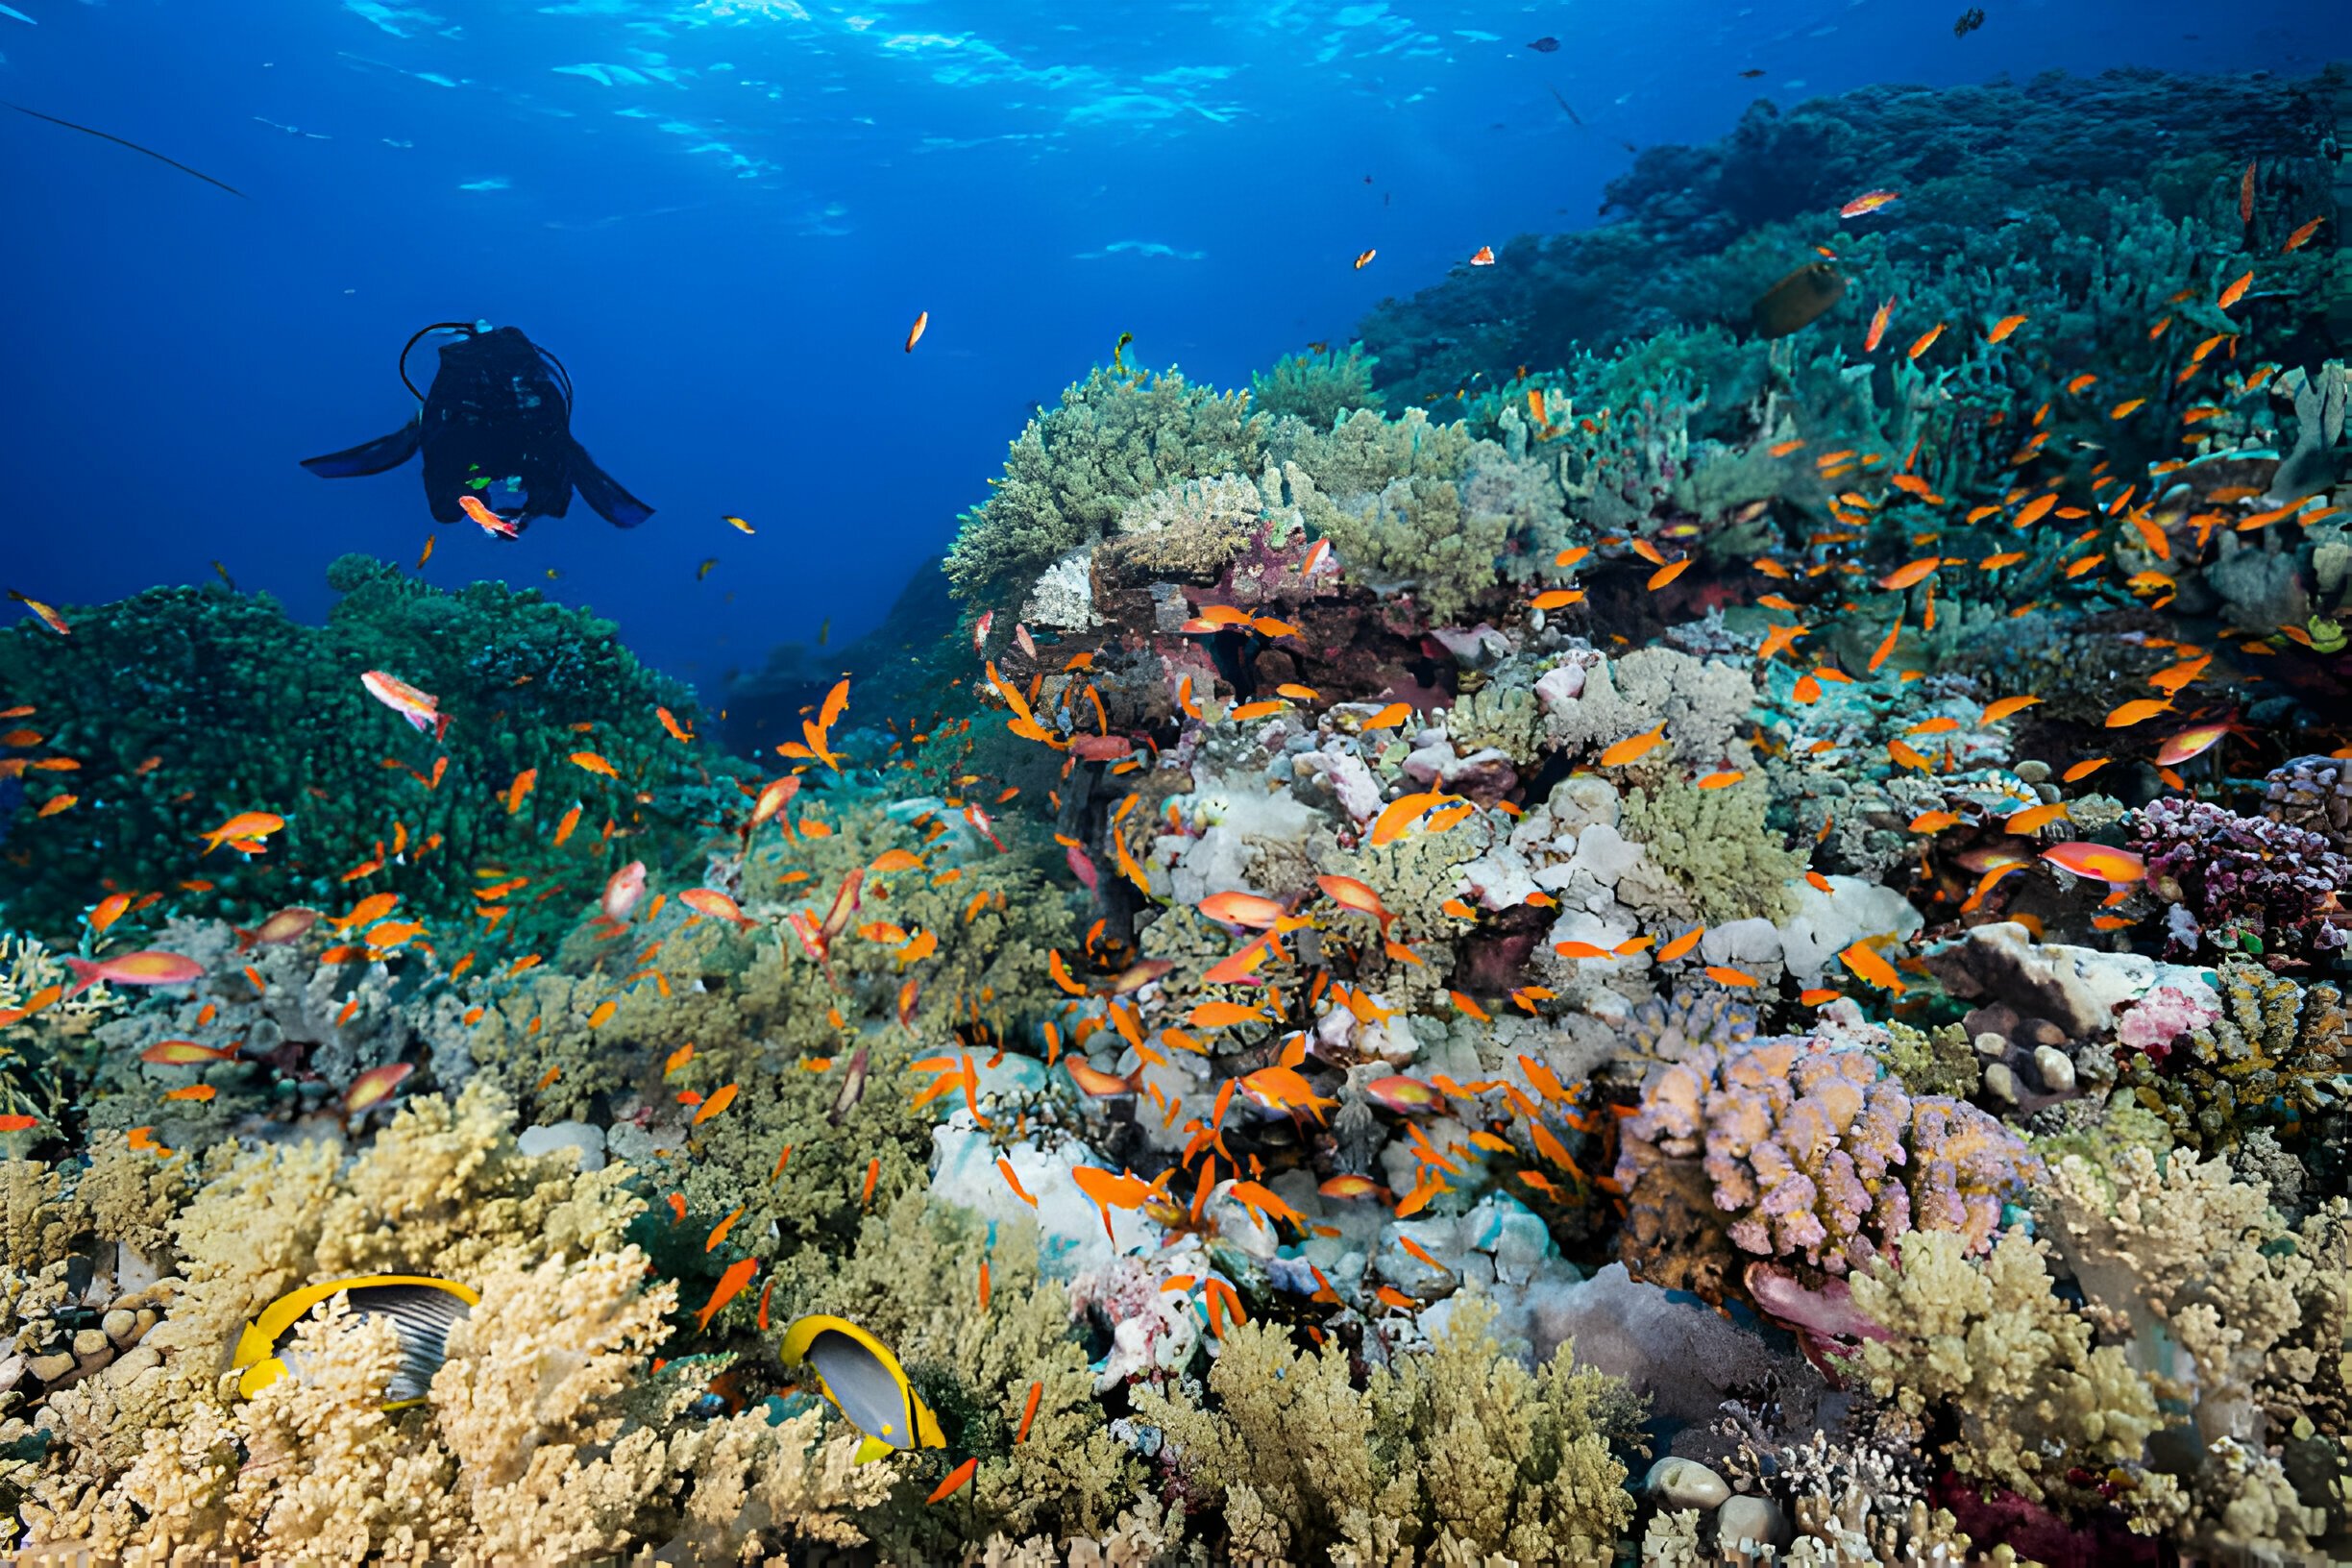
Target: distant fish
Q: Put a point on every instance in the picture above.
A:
(1546, 45)
(1796, 300)
(1750, 74)
(1969, 21)
(1574, 117)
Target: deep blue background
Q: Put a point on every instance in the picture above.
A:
(728, 250)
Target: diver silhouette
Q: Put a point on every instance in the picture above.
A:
(497, 424)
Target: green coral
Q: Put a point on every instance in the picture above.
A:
(1115, 436)
(1708, 854)
(243, 709)
(1938, 1063)
(2033, 1395)
(786, 1030)
(1408, 502)
(1458, 1450)
(1317, 387)
(2278, 1053)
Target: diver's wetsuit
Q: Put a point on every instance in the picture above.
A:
(498, 412)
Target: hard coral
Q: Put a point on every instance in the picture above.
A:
(2232, 878)
(1817, 1152)
(1116, 436)
(179, 692)
(1458, 1450)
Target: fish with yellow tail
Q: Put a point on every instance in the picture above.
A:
(422, 1308)
(865, 1381)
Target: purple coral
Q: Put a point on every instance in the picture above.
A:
(1818, 1152)
(2230, 876)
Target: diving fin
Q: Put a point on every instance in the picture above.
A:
(603, 492)
(377, 456)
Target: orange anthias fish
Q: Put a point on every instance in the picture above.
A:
(1877, 326)
(488, 521)
(2133, 713)
(421, 709)
(1917, 571)
(2118, 867)
(246, 827)
(1242, 909)
(1869, 965)
(2004, 328)
(1282, 1089)
(716, 905)
(1349, 893)
(1633, 748)
(2192, 743)
(1125, 1191)
(146, 969)
(922, 319)
(374, 1087)
(730, 1286)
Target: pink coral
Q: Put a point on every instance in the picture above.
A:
(1820, 1154)
(2163, 1015)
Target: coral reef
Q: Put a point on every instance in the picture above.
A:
(1717, 948)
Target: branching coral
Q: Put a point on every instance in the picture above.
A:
(1412, 503)
(2034, 1397)
(1706, 854)
(2273, 1053)
(1457, 1451)
(515, 675)
(543, 1436)
(2180, 1253)
(1317, 387)
(914, 1282)
(540, 1441)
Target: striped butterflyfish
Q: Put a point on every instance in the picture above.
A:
(423, 1310)
(864, 1382)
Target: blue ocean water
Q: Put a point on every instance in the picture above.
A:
(724, 216)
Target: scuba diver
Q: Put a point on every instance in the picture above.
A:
(496, 431)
